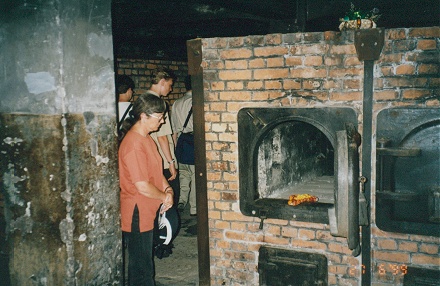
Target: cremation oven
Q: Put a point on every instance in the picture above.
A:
(286, 151)
(408, 170)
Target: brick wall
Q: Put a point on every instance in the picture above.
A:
(306, 70)
(140, 70)
(300, 70)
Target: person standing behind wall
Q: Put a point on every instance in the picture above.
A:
(162, 81)
(181, 109)
(125, 89)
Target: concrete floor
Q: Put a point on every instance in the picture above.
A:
(181, 267)
(178, 269)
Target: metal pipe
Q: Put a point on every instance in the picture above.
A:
(367, 119)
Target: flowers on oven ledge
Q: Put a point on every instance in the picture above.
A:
(358, 19)
(295, 200)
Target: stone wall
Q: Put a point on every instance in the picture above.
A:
(58, 145)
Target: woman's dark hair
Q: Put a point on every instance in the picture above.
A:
(146, 103)
(123, 83)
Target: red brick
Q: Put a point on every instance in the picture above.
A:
(291, 84)
(387, 244)
(273, 39)
(313, 61)
(256, 63)
(270, 73)
(426, 45)
(234, 85)
(428, 69)
(272, 84)
(217, 43)
(339, 248)
(346, 96)
(405, 82)
(385, 95)
(294, 61)
(311, 84)
(405, 70)
(387, 71)
(318, 95)
(270, 51)
(343, 50)
(273, 230)
(260, 95)
(213, 176)
(289, 232)
(392, 256)
(404, 45)
(216, 65)
(217, 85)
(254, 84)
(236, 42)
(232, 157)
(408, 246)
(324, 235)
(345, 72)
(314, 49)
(236, 53)
(391, 58)
(229, 176)
(429, 248)
(275, 62)
(352, 61)
(276, 240)
(308, 72)
(315, 245)
(352, 84)
(428, 32)
(235, 216)
(235, 75)
(435, 102)
(219, 224)
(425, 259)
(415, 93)
(395, 34)
(331, 84)
(331, 35)
(333, 60)
(236, 64)
(306, 234)
(217, 106)
(235, 95)
(230, 195)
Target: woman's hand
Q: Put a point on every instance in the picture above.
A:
(168, 201)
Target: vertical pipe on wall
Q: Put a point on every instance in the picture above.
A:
(368, 44)
(367, 111)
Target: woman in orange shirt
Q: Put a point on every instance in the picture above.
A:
(143, 187)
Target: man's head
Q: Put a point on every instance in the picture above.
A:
(162, 81)
(125, 88)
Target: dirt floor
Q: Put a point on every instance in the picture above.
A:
(181, 267)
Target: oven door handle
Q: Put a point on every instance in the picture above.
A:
(344, 217)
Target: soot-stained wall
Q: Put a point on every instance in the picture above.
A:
(58, 144)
